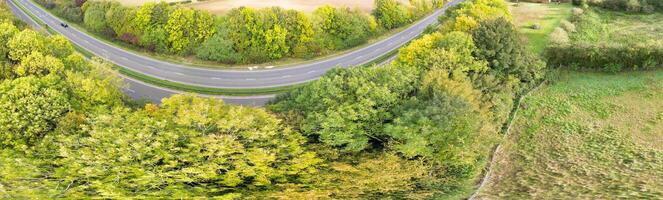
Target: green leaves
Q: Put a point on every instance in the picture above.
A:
(39, 65)
(194, 145)
(347, 107)
(24, 43)
(391, 13)
(342, 28)
(29, 109)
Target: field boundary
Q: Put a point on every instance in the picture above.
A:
(506, 129)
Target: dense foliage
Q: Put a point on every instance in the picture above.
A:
(67, 131)
(243, 35)
(441, 101)
(607, 57)
(418, 128)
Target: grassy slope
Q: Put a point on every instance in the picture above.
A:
(589, 135)
(548, 16)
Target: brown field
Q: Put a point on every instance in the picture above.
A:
(221, 6)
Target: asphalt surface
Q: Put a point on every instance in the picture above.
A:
(255, 78)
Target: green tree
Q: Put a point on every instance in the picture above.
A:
(95, 88)
(39, 65)
(142, 21)
(443, 130)
(276, 42)
(29, 109)
(188, 147)
(58, 46)
(95, 16)
(7, 31)
(218, 48)
(156, 39)
(120, 19)
(179, 28)
(204, 26)
(391, 13)
(452, 52)
(347, 108)
(467, 15)
(24, 43)
(341, 28)
(499, 44)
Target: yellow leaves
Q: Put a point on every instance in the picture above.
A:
(143, 16)
(38, 64)
(384, 174)
(469, 14)
(442, 82)
(24, 43)
(179, 28)
(418, 49)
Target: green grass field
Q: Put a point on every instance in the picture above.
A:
(585, 136)
(603, 26)
(547, 16)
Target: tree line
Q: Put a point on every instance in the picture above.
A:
(243, 35)
(418, 128)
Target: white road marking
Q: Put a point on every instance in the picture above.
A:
(310, 72)
(130, 90)
(179, 73)
(217, 78)
(286, 76)
(125, 58)
(250, 79)
(358, 57)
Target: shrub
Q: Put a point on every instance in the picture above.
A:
(577, 12)
(568, 26)
(607, 57)
(559, 37)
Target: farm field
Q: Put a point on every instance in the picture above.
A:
(546, 16)
(587, 135)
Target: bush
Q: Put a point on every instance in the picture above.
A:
(606, 57)
(559, 37)
(568, 26)
(577, 12)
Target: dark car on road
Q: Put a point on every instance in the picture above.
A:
(64, 25)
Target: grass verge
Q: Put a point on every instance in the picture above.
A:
(587, 136)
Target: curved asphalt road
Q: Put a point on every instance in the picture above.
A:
(257, 78)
